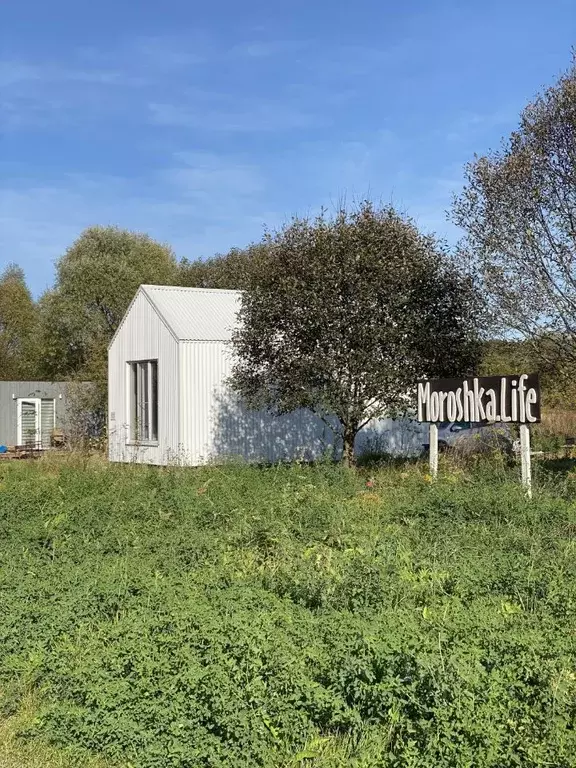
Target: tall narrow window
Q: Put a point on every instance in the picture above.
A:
(154, 400)
(143, 388)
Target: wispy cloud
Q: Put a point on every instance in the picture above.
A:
(177, 81)
(345, 63)
(264, 49)
(201, 203)
(247, 117)
(43, 94)
(166, 54)
(469, 125)
(159, 76)
(24, 111)
(206, 176)
(16, 73)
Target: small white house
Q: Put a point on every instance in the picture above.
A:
(168, 365)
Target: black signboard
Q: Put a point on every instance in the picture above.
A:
(481, 400)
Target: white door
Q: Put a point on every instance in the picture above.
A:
(47, 421)
(29, 421)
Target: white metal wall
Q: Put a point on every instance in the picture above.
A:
(143, 336)
(10, 391)
(394, 436)
(213, 424)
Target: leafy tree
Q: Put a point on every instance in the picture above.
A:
(518, 210)
(345, 314)
(230, 271)
(508, 356)
(17, 322)
(96, 280)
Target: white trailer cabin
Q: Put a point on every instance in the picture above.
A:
(168, 398)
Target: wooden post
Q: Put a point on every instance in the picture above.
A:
(434, 450)
(525, 456)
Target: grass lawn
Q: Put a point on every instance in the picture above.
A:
(283, 617)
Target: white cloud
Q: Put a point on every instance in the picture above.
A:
(214, 112)
(47, 93)
(469, 125)
(265, 49)
(16, 72)
(200, 175)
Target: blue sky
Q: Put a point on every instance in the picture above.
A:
(200, 123)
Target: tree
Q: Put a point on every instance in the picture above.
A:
(96, 280)
(230, 270)
(345, 314)
(518, 210)
(510, 356)
(17, 322)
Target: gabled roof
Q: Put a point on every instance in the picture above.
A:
(195, 314)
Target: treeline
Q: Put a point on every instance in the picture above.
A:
(65, 334)
(517, 211)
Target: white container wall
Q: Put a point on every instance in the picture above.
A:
(50, 401)
(215, 425)
(143, 335)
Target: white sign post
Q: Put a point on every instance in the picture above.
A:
(525, 456)
(434, 450)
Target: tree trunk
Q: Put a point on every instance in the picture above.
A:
(348, 453)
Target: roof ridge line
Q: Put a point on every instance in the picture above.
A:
(190, 288)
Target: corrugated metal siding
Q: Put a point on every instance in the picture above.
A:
(202, 370)
(394, 436)
(41, 389)
(199, 314)
(214, 425)
(143, 336)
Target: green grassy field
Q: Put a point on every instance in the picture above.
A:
(291, 616)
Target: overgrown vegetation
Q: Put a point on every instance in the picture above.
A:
(294, 616)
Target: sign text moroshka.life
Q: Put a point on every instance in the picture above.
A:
(481, 399)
